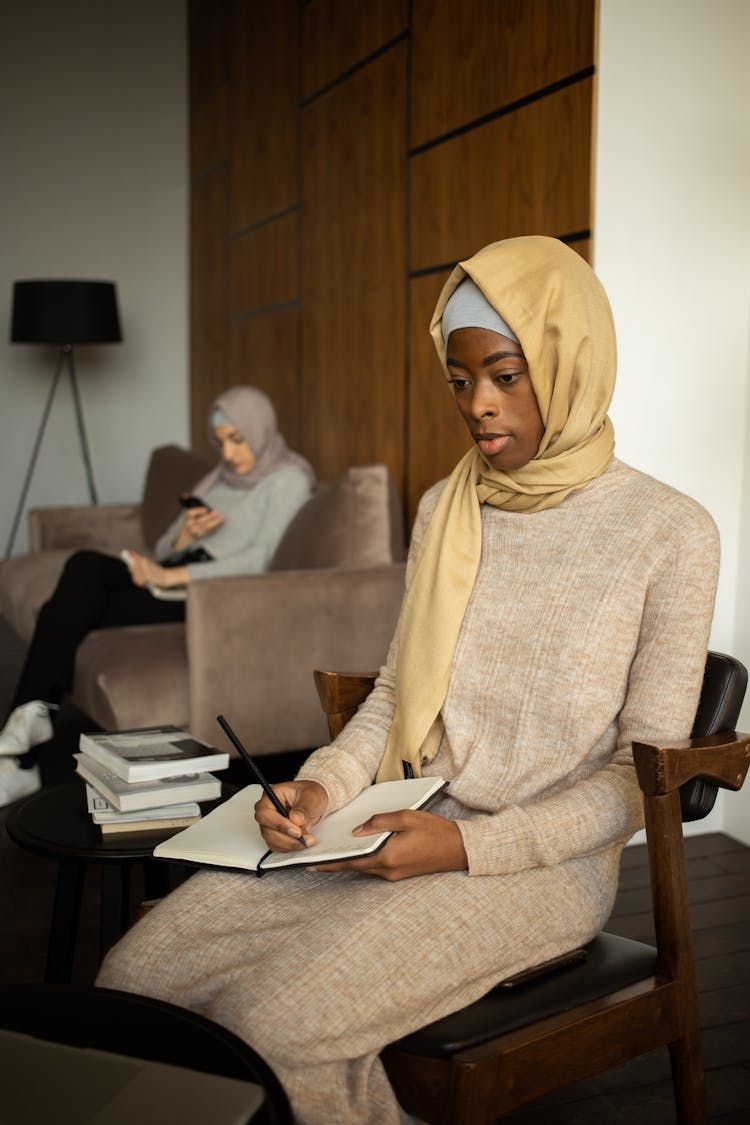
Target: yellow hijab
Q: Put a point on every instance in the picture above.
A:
(559, 311)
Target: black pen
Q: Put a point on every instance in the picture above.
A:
(256, 773)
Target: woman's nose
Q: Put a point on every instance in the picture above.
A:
(483, 403)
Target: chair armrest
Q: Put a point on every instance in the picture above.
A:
(723, 757)
(101, 527)
(253, 642)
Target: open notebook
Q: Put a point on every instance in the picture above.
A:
(230, 836)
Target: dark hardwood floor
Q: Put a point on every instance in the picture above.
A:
(640, 1092)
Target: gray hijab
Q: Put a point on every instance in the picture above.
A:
(252, 412)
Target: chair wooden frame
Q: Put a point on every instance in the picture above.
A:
(477, 1084)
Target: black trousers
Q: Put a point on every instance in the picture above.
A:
(94, 591)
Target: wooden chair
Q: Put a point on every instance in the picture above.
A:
(558, 1026)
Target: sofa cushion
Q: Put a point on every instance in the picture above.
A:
(134, 676)
(355, 520)
(171, 470)
(26, 583)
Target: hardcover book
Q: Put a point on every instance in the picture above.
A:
(152, 752)
(129, 796)
(140, 820)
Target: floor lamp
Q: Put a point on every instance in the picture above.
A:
(63, 313)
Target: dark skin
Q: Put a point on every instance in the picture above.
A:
(490, 379)
(493, 392)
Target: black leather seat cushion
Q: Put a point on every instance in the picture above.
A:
(612, 962)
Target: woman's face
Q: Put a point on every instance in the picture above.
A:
(235, 451)
(490, 380)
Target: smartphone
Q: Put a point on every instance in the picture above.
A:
(194, 502)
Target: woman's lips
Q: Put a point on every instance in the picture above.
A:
(490, 444)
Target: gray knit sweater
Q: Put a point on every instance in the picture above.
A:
(254, 522)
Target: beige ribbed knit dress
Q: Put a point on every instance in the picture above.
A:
(587, 628)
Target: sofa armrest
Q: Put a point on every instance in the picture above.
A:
(254, 641)
(101, 527)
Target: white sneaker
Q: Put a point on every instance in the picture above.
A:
(15, 782)
(27, 726)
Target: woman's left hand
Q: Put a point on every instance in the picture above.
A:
(146, 572)
(422, 844)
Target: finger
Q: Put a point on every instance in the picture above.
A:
(384, 822)
(303, 818)
(271, 820)
(363, 866)
(282, 841)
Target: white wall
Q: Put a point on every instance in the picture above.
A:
(672, 235)
(93, 143)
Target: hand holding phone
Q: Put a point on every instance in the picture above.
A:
(189, 500)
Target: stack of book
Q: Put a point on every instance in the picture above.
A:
(147, 780)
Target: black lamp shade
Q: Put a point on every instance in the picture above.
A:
(65, 312)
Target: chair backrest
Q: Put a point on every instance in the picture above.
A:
(340, 695)
(722, 693)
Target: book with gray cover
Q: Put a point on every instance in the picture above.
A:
(129, 796)
(150, 753)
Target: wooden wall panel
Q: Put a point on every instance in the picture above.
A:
(437, 435)
(499, 51)
(209, 132)
(584, 247)
(354, 270)
(208, 40)
(208, 297)
(342, 154)
(338, 34)
(263, 351)
(527, 173)
(265, 83)
(263, 265)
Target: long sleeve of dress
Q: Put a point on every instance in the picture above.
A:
(254, 522)
(587, 630)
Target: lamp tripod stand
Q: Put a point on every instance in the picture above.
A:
(65, 313)
(65, 360)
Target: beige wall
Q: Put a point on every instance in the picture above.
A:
(93, 185)
(673, 250)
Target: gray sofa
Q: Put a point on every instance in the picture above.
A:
(249, 644)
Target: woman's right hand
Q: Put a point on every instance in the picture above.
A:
(198, 522)
(306, 802)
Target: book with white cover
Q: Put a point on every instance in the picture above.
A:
(152, 752)
(128, 796)
(165, 824)
(108, 818)
(168, 593)
(230, 835)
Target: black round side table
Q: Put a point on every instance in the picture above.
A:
(55, 823)
(140, 1027)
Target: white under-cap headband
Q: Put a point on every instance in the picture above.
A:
(467, 307)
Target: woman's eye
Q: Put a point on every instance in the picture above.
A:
(508, 378)
(459, 384)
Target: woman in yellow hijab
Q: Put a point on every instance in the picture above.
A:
(558, 606)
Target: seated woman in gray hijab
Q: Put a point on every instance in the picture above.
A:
(250, 498)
